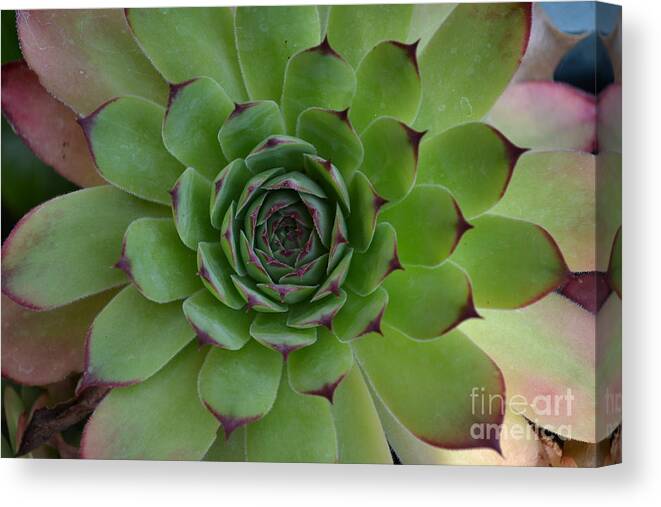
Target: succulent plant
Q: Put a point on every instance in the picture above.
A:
(297, 233)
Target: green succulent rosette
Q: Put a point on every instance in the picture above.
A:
(307, 233)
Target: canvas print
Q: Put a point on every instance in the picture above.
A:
(323, 234)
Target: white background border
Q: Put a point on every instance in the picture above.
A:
(53, 483)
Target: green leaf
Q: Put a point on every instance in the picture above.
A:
(252, 263)
(287, 293)
(391, 157)
(333, 135)
(297, 182)
(319, 313)
(41, 348)
(388, 84)
(266, 38)
(355, 29)
(615, 264)
(254, 297)
(321, 214)
(425, 20)
(228, 449)
(339, 239)
(428, 302)
(125, 138)
(307, 274)
(227, 187)
(329, 177)
(132, 338)
(371, 267)
(229, 241)
(366, 207)
(429, 225)
(299, 428)
(159, 419)
(443, 374)
(64, 249)
(239, 387)
(511, 263)
(215, 271)
(248, 125)
(279, 151)
(469, 61)
(190, 196)
(13, 408)
(185, 43)
(196, 111)
(161, 267)
(360, 436)
(272, 331)
(556, 190)
(473, 161)
(360, 315)
(320, 368)
(547, 353)
(217, 324)
(335, 279)
(609, 205)
(85, 57)
(316, 77)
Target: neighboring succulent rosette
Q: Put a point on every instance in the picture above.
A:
(308, 236)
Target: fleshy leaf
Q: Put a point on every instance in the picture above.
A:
(248, 125)
(217, 324)
(125, 138)
(428, 302)
(279, 151)
(47, 126)
(329, 177)
(333, 135)
(196, 111)
(287, 293)
(429, 225)
(321, 215)
(64, 249)
(228, 449)
(252, 262)
(615, 265)
(568, 188)
(13, 408)
(469, 61)
(190, 196)
(319, 313)
(299, 428)
(359, 433)
(309, 273)
(511, 263)
(297, 182)
(319, 368)
(443, 373)
(85, 57)
(255, 299)
(391, 157)
(254, 187)
(316, 77)
(215, 271)
(366, 205)
(546, 115)
(388, 84)
(184, 43)
(266, 38)
(477, 178)
(360, 315)
(229, 241)
(609, 204)
(547, 354)
(272, 331)
(609, 112)
(339, 239)
(371, 267)
(425, 20)
(161, 267)
(161, 418)
(355, 29)
(227, 187)
(239, 387)
(41, 348)
(335, 279)
(131, 339)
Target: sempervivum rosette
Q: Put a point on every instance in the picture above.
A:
(307, 191)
